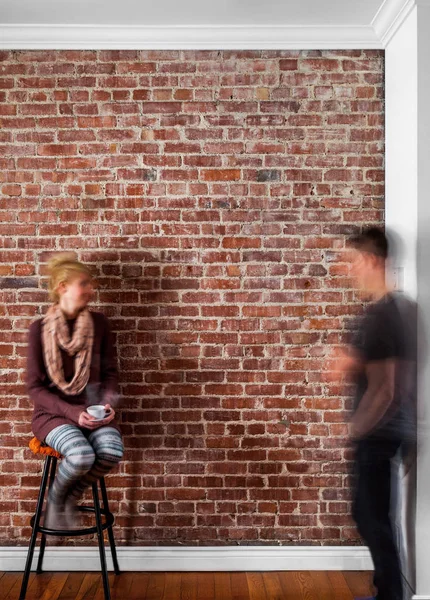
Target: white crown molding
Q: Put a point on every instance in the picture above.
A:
(218, 558)
(376, 35)
(88, 37)
(389, 18)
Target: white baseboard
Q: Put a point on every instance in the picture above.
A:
(420, 597)
(215, 558)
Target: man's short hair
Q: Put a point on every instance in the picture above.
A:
(372, 240)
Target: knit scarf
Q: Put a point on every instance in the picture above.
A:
(55, 335)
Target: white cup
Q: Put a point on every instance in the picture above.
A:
(97, 411)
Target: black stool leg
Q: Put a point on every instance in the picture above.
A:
(101, 542)
(35, 528)
(43, 540)
(110, 531)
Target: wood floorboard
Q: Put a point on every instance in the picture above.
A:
(307, 586)
(359, 583)
(290, 585)
(89, 586)
(156, 587)
(55, 587)
(205, 586)
(222, 585)
(281, 585)
(239, 586)
(322, 585)
(72, 585)
(188, 586)
(10, 585)
(172, 590)
(38, 586)
(341, 590)
(139, 585)
(256, 587)
(273, 586)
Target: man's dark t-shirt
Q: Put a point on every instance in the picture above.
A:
(387, 330)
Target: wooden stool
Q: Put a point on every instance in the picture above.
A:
(49, 472)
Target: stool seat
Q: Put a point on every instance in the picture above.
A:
(103, 517)
(38, 447)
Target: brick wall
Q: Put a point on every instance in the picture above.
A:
(210, 192)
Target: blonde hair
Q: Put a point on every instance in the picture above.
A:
(63, 267)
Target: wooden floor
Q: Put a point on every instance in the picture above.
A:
(306, 585)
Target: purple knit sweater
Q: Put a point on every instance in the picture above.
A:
(51, 406)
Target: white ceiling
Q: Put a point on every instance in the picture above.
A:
(259, 24)
(191, 12)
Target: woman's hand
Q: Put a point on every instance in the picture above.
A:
(110, 414)
(86, 421)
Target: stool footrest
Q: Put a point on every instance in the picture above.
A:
(109, 520)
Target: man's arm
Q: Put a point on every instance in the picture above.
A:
(344, 361)
(377, 399)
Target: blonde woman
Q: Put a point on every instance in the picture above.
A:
(70, 366)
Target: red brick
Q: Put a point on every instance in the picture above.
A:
(18, 123)
(97, 122)
(6, 83)
(320, 64)
(56, 149)
(11, 190)
(161, 107)
(8, 110)
(220, 175)
(288, 64)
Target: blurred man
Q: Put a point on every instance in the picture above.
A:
(383, 360)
